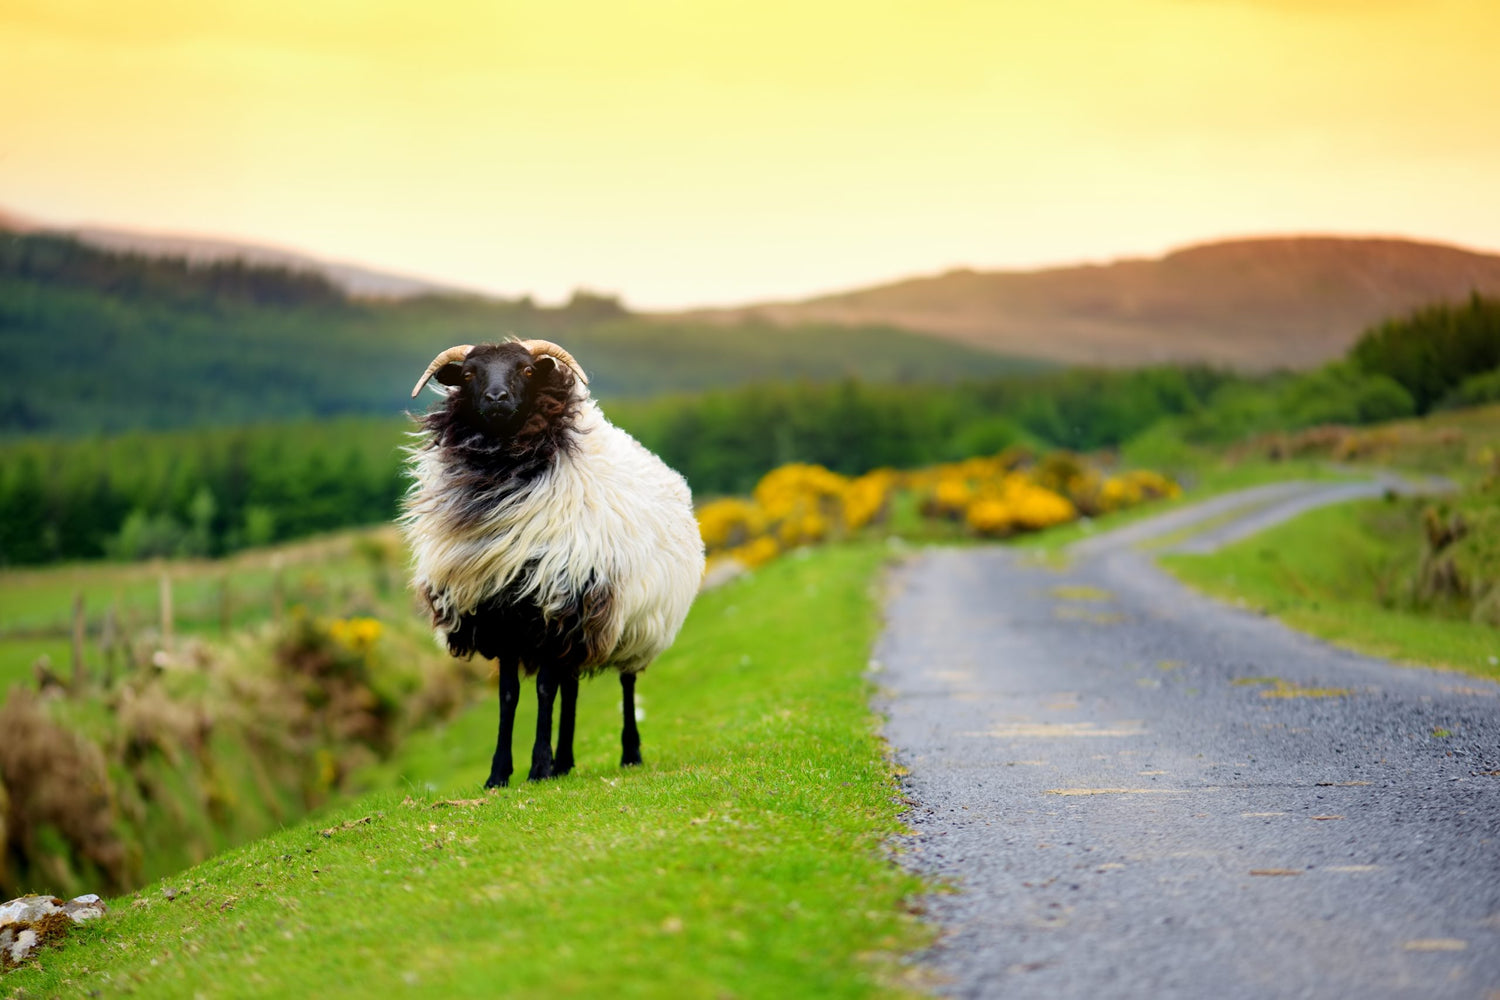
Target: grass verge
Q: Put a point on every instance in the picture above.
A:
(744, 859)
(1324, 573)
(1200, 483)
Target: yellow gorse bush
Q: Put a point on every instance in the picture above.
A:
(866, 498)
(995, 496)
(729, 522)
(1015, 503)
(802, 504)
(357, 634)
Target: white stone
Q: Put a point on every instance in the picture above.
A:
(87, 907)
(26, 909)
(25, 944)
(18, 940)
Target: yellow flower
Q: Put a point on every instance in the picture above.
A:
(865, 498)
(990, 517)
(729, 522)
(357, 634)
(1035, 508)
(952, 495)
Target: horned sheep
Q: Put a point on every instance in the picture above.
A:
(545, 537)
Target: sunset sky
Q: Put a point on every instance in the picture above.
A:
(682, 153)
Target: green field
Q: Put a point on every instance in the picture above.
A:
(1362, 575)
(1331, 572)
(746, 858)
(342, 573)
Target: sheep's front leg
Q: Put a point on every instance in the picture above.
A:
(562, 761)
(630, 737)
(510, 694)
(541, 751)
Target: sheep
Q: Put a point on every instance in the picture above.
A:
(544, 537)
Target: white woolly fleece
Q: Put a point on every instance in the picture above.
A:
(607, 508)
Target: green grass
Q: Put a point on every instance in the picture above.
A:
(36, 605)
(1202, 482)
(746, 858)
(1324, 573)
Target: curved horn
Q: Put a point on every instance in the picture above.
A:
(549, 348)
(448, 357)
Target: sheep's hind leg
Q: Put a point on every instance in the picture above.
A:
(541, 751)
(630, 737)
(510, 693)
(562, 760)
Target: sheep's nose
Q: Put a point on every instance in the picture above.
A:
(496, 395)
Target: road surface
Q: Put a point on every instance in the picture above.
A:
(1138, 792)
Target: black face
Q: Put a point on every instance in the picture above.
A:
(498, 383)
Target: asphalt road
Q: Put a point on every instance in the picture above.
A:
(1138, 792)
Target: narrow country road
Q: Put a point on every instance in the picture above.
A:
(1139, 792)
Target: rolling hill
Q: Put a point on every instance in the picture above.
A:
(1253, 304)
(164, 342)
(353, 279)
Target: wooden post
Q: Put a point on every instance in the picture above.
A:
(79, 675)
(131, 622)
(165, 602)
(108, 642)
(278, 591)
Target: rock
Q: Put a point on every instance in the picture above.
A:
(18, 946)
(29, 922)
(87, 907)
(28, 909)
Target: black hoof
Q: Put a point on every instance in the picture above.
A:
(631, 759)
(495, 782)
(561, 767)
(540, 774)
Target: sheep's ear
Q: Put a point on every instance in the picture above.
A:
(545, 365)
(450, 374)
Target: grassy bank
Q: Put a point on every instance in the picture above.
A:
(1206, 477)
(1337, 573)
(744, 859)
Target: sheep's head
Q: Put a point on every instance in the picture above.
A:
(497, 383)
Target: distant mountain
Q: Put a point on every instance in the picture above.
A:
(1253, 304)
(352, 279)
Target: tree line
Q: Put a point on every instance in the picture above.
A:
(215, 490)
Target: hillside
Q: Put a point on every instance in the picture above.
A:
(1254, 304)
(353, 279)
(163, 342)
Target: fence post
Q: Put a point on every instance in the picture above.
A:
(79, 677)
(107, 644)
(278, 591)
(166, 611)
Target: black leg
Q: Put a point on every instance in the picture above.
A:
(630, 737)
(510, 693)
(562, 761)
(541, 751)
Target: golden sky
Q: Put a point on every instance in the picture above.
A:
(701, 151)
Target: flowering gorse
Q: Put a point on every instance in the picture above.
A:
(993, 497)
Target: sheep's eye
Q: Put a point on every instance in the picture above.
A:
(468, 376)
(529, 371)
